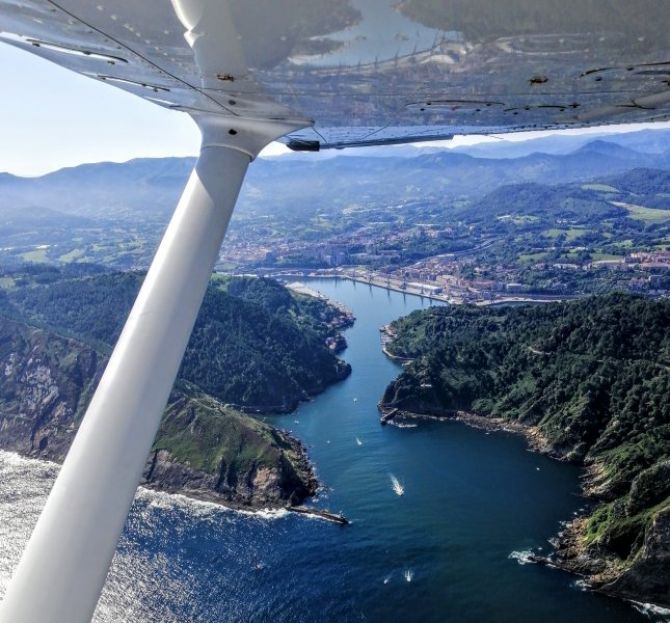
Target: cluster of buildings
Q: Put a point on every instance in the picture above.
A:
(374, 253)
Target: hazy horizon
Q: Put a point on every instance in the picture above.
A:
(121, 127)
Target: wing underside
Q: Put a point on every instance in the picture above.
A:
(368, 71)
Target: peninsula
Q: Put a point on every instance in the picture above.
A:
(588, 382)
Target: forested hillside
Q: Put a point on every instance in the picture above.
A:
(254, 344)
(593, 378)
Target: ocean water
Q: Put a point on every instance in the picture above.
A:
(441, 517)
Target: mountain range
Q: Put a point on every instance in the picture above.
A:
(148, 189)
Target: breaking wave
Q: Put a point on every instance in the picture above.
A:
(523, 557)
(654, 612)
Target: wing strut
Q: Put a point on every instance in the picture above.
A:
(64, 566)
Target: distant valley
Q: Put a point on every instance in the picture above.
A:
(476, 223)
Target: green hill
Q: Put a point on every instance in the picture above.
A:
(591, 379)
(255, 343)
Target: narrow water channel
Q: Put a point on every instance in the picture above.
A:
(442, 550)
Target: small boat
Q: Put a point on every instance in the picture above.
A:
(398, 489)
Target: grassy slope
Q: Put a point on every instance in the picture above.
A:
(200, 431)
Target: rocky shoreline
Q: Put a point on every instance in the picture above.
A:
(260, 488)
(204, 449)
(47, 383)
(599, 570)
(386, 335)
(534, 437)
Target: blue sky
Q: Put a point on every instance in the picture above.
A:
(52, 118)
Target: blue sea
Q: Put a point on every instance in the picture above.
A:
(441, 515)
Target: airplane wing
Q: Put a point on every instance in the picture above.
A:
(368, 72)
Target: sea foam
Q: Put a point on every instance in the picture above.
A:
(654, 612)
(523, 557)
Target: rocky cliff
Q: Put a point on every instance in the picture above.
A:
(203, 449)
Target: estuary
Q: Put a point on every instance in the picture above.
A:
(441, 515)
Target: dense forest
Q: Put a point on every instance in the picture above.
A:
(592, 376)
(255, 344)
